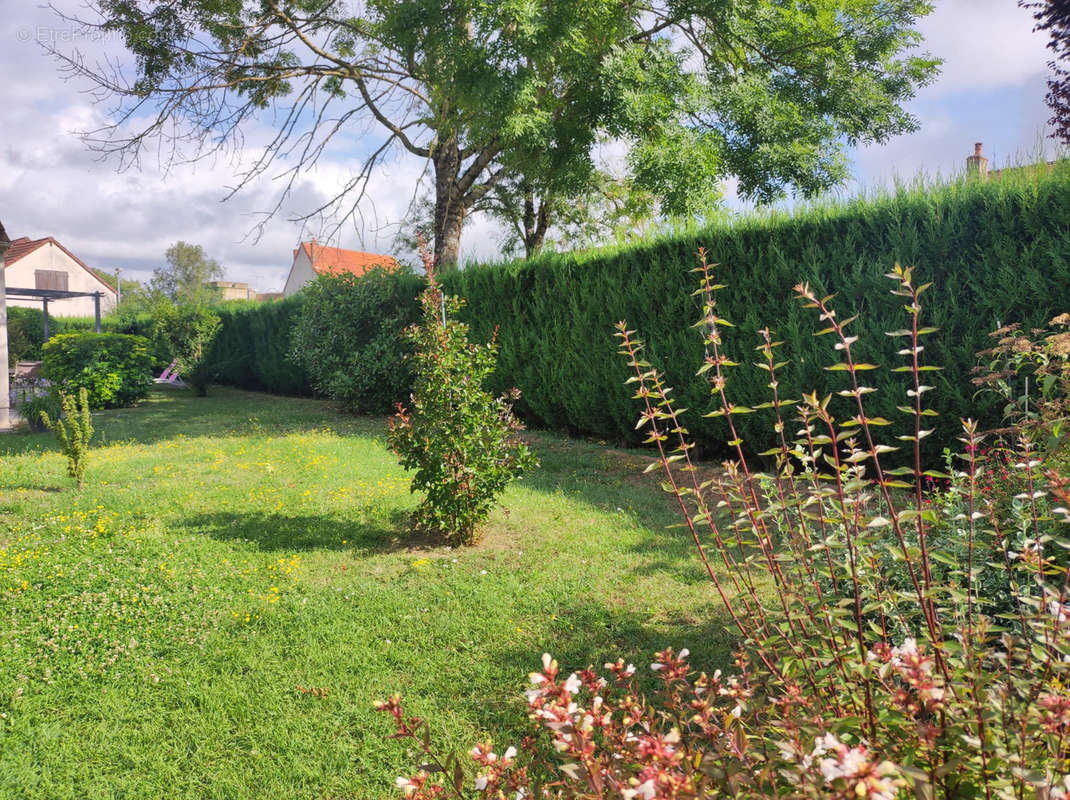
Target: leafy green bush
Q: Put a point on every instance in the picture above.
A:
(348, 337)
(32, 408)
(185, 333)
(460, 439)
(25, 334)
(114, 368)
(73, 431)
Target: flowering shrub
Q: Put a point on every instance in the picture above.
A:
(877, 666)
(460, 439)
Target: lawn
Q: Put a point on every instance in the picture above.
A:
(214, 615)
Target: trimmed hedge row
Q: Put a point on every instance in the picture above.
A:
(996, 252)
(252, 348)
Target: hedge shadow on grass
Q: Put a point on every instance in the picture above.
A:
(599, 634)
(283, 533)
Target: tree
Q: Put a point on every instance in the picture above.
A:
(770, 91)
(1053, 16)
(186, 276)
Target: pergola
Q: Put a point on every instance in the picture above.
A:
(45, 295)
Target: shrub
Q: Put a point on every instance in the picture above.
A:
(114, 368)
(185, 333)
(73, 431)
(32, 408)
(843, 685)
(460, 439)
(347, 337)
(25, 334)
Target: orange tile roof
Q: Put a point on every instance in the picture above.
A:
(335, 261)
(24, 245)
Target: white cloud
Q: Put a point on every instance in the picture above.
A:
(985, 44)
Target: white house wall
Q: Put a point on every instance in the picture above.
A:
(49, 257)
(300, 273)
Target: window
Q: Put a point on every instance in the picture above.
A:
(52, 279)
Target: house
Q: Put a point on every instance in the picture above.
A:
(977, 164)
(47, 264)
(232, 290)
(312, 259)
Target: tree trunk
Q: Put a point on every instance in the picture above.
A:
(449, 205)
(536, 222)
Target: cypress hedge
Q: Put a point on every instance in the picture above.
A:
(252, 347)
(996, 251)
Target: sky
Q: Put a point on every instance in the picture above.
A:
(991, 90)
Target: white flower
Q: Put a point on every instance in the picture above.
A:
(647, 790)
(573, 684)
(405, 785)
(685, 653)
(509, 754)
(547, 660)
(481, 783)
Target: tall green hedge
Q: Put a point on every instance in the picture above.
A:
(996, 251)
(251, 350)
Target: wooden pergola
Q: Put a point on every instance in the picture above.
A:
(47, 295)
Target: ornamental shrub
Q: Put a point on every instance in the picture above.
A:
(185, 334)
(114, 368)
(347, 337)
(73, 431)
(871, 661)
(461, 440)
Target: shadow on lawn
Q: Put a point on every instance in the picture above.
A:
(591, 634)
(277, 532)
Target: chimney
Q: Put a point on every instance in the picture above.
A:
(977, 164)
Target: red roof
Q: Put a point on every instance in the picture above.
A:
(23, 246)
(336, 261)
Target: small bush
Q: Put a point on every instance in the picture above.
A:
(185, 334)
(115, 369)
(73, 431)
(32, 409)
(348, 338)
(460, 439)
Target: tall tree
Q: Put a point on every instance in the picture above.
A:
(770, 91)
(185, 277)
(1053, 18)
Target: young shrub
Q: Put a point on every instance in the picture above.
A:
(73, 431)
(32, 408)
(185, 334)
(889, 644)
(115, 369)
(347, 337)
(460, 439)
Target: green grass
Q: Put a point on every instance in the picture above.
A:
(155, 628)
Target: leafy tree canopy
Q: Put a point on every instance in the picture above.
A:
(769, 91)
(185, 277)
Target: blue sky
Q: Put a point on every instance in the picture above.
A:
(991, 90)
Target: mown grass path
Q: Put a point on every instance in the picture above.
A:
(162, 631)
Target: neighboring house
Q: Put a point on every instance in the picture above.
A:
(47, 264)
(312, 259)
(977, 164)
(231, 290)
